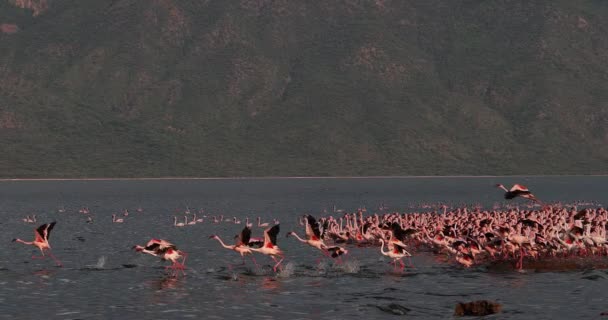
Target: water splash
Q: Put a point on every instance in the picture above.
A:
(322, 267)
(350, 266)
(287, 270)
(101, 262)
(235, 277)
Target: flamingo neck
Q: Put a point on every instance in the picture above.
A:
(298, 237)
(223, 244)
(24, 242)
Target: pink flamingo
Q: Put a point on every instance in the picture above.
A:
(242, 245)
(166, 251)
(517, 190)
(41, 241)
(270, 247)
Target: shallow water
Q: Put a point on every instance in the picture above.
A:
(103, 278)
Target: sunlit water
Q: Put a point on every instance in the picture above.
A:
(103, 278)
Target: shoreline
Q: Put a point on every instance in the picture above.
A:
(298, 177)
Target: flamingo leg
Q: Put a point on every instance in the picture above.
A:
(41, 256)
(255, 262)
(339, 261)
(54, 258)
(402, 265)
(409, 259)
(520, 265)
(278, 263)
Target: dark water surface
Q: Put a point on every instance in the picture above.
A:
(103, 278)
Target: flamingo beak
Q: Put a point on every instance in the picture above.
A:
(212, 236)
(14, 240)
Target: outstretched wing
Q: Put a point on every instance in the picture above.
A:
(159, 246)
(325, 227)
(312, 228)
(270, 235)
(336, 251)
(44, 231)
(245, 236)
(518, 187)
(398, 232)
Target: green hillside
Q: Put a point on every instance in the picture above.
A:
(127, 88)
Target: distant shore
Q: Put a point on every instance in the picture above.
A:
(299, 177)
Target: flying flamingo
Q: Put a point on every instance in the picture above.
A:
(166, 251)
(517, 190)
(241, 246)
(270, 247)
(396, 253)
(41, 241)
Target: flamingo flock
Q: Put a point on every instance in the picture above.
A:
(468, 237)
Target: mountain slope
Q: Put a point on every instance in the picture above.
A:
(270, 87)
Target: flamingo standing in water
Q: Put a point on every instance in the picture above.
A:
(29, 219)
(41, 241)
(241, 246)
(114, 220)
(270, 247)
(262, 225)
(166, 251)
(517, 190)
(176, 224)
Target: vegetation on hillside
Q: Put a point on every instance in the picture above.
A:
(123, 88)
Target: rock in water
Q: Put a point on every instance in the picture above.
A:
(477, 308)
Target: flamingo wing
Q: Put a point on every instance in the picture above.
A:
(245, 236)
(255, 242)
(312, 228)
(518, 187)
(159, 246)
(44, 231)
(270, 235)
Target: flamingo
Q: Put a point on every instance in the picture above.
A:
(166, 251)
(114, 220)
(517, 190)
(41, 241)
(270, 247)
(314, 238)
(262, 225)
(181, 224)
(242, 245)
(396, 253)
(190, 223)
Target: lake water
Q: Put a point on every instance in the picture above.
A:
(103, 278)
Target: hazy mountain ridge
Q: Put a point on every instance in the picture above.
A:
(249, 88)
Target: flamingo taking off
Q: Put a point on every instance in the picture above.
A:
(41, 241)
(314, 238)
(270, 247)
(166, 251)
(517, 190)
(241, 246)
(396, 253)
